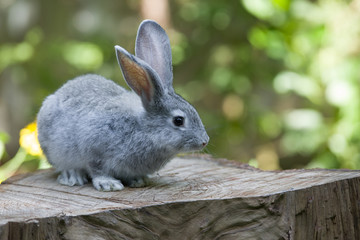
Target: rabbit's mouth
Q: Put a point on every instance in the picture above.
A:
(194, 145)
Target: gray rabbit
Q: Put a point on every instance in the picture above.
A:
(92, 127)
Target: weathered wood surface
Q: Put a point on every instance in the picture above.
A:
(195, 198)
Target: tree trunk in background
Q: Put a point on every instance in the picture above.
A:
(14, 107)
(157, 10)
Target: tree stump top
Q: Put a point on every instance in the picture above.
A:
(32, 197)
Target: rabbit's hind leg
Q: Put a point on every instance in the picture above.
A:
(72, 177)
(139, 182)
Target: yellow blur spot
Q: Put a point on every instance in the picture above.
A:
(29, 140)
(233, 107)
(267, 158)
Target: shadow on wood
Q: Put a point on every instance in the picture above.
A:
(194, 198)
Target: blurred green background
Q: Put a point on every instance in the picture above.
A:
(276, 82)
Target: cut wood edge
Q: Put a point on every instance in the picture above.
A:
(206, 184)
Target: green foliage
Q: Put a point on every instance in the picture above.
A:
(294, 69)
(276, 82)
(3, 140)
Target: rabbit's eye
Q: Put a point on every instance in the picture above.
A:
(178, 121)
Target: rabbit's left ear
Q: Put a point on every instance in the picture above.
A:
(140, 77)
(153, 47)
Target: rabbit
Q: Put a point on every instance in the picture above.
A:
(93, 129)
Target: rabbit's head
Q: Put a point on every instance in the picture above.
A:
(171, 120)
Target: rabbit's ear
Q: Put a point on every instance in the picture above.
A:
(140, 77)
(153, 46)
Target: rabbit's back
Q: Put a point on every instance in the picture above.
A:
(88, 92)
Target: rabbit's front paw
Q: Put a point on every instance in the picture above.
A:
(107, 184)
(72, 177)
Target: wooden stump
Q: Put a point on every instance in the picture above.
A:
(193, 198)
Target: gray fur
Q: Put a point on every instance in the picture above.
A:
(92, 127)
(158, 56)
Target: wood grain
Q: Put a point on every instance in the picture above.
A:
(191, 198)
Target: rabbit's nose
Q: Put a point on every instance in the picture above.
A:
(205, 140)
